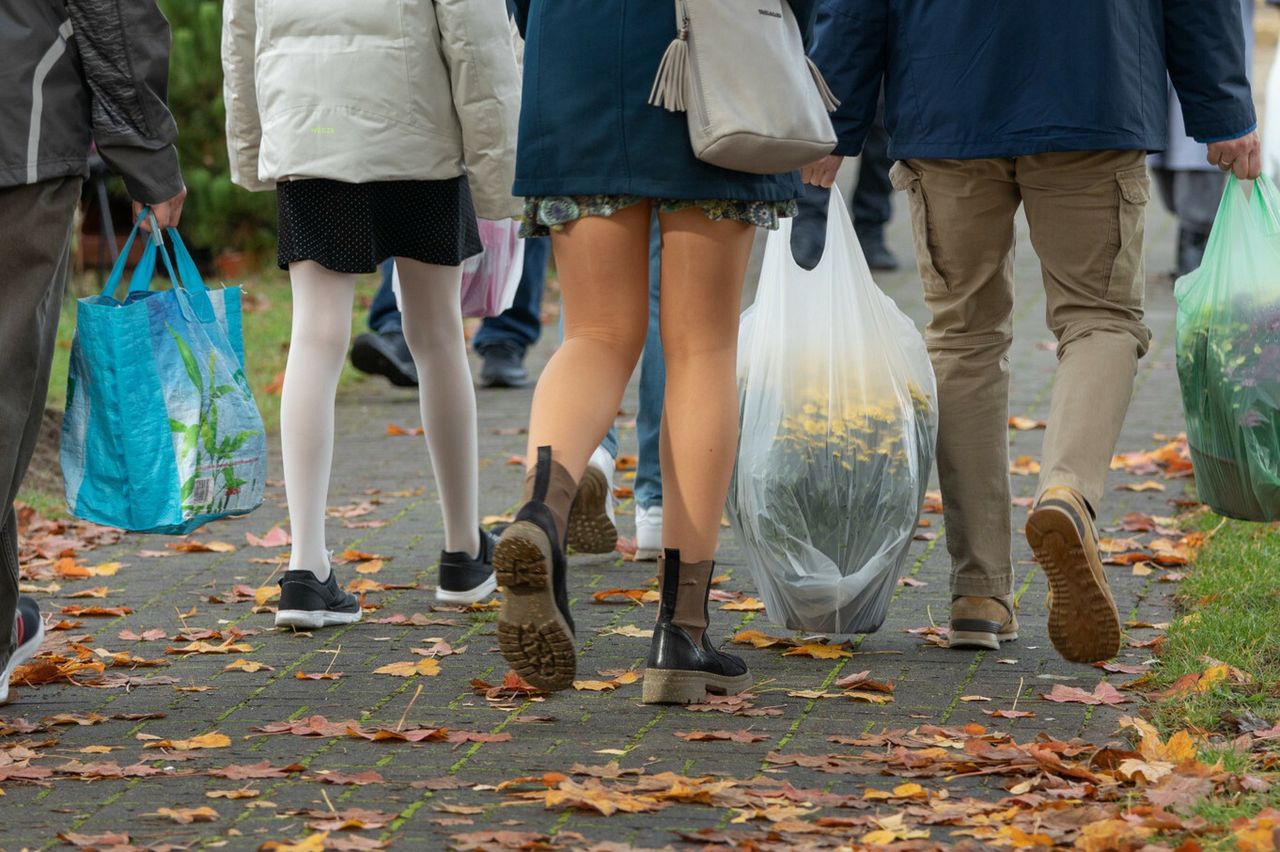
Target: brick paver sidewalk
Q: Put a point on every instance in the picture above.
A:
(430, 791)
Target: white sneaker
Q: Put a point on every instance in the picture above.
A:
(592, 525)
(648, 533)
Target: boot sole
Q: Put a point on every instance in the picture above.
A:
(679, 686)
(590, 530)
(533, 635)
(1084, 625)
(307, 619)
(961, 639)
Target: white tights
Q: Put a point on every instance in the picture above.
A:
(322, 302)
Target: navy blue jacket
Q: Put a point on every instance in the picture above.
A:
(586, 127)
(967, 79)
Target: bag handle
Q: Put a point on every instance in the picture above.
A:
(148, 257)
(1268, 201)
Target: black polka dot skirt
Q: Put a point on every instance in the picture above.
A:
(353, 227)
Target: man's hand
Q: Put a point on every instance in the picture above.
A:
(167, 213)
(1242, 156)
(823, 172)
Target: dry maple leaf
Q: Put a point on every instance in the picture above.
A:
(301, 675)
(1103, 693)
(97, 611)
(250, 666)
(1010, 714)
(746, 604)
(714, 736)
(1149, 485)
(408, 735)
(862, 680)
(203, 547)
(227, 647)
(1024, 466)
(275, 537)
(1026, 424)
(763, 640)
(186, 816)
(209, 740)
(818, 651)
(512, 686)
(242, 793)
(243, 772)
(399, 432)
(428, 667)
(152, 635)
(639, 596)
(106, 840)
(357, 779)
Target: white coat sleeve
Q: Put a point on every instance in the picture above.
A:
(239, 93)
(477, 41)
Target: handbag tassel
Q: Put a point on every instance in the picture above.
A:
(671, 86)
(829, 99)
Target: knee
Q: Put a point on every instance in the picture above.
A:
(429, 342)
(626, 343)
(323, 341)
(1124, 336)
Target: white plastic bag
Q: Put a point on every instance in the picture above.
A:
(839, 420)
(1271, 138)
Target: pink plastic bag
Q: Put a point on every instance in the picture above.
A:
(489, 280)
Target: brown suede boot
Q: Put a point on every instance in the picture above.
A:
(683, 664)
(1084, 625)
(535, 629)
(978, 622)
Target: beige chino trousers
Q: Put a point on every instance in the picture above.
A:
(1086, 214)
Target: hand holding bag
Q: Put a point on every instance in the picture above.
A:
(161, 432)
(756, 103)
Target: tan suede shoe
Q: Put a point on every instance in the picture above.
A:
(1084, 625)
(982, 622)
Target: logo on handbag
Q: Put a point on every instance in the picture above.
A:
(767, 13)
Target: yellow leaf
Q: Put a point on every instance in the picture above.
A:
(210, 740)
(262, 594)
(1212, 675)
(106, 569)
(1024, 466)
(97, 749)
(364, 584)
(867, 697)
(595, 685)
(250, 666)
(1180, 748)
(185, 816)
(231, 794)
(760, 640)
(818, 651)
(745, 605)
(879, 838)
(373, 566)
(427, 666)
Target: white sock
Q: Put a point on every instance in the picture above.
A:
(321, 332)
(431, 305)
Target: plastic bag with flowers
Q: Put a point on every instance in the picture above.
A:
(839, 419)
(1229, 355)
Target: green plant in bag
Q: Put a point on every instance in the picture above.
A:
(1229, 356)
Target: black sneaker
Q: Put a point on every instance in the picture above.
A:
(307, 604)
(30, 635)
(503, 367)
(465, 578)
(385, 354)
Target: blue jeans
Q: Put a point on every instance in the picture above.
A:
(653, 387)
(519, 325)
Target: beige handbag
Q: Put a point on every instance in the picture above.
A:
(755, 102)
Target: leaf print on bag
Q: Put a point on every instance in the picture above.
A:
(207, 458)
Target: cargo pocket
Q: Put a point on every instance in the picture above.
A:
(906, 179)
(1127, 270)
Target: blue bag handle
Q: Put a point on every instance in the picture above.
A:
(147, 264)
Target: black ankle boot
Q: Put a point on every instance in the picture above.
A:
(682, 669)
(535, 629)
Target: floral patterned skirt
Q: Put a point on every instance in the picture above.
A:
(545, 214)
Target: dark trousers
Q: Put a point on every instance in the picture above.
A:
(520, 325)
(34, 262)
(872, 202)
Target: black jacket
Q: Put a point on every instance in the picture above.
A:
(77, 72)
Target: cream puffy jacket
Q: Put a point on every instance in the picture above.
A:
(372, 90)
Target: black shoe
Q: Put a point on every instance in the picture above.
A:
(385, 354)
(308, 604)
(30, 635)
(809, 228)
(535, 629)
(877, 253)
(465, 578)
(503, 367)
(679, 670)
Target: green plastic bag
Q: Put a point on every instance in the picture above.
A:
(1229, 356)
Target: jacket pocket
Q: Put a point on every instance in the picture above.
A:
(907, 179)
(1127, 270)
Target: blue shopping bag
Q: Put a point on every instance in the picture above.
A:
(161, 432)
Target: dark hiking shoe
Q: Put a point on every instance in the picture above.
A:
(503, 367)
(385, 354)
(308, 604)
